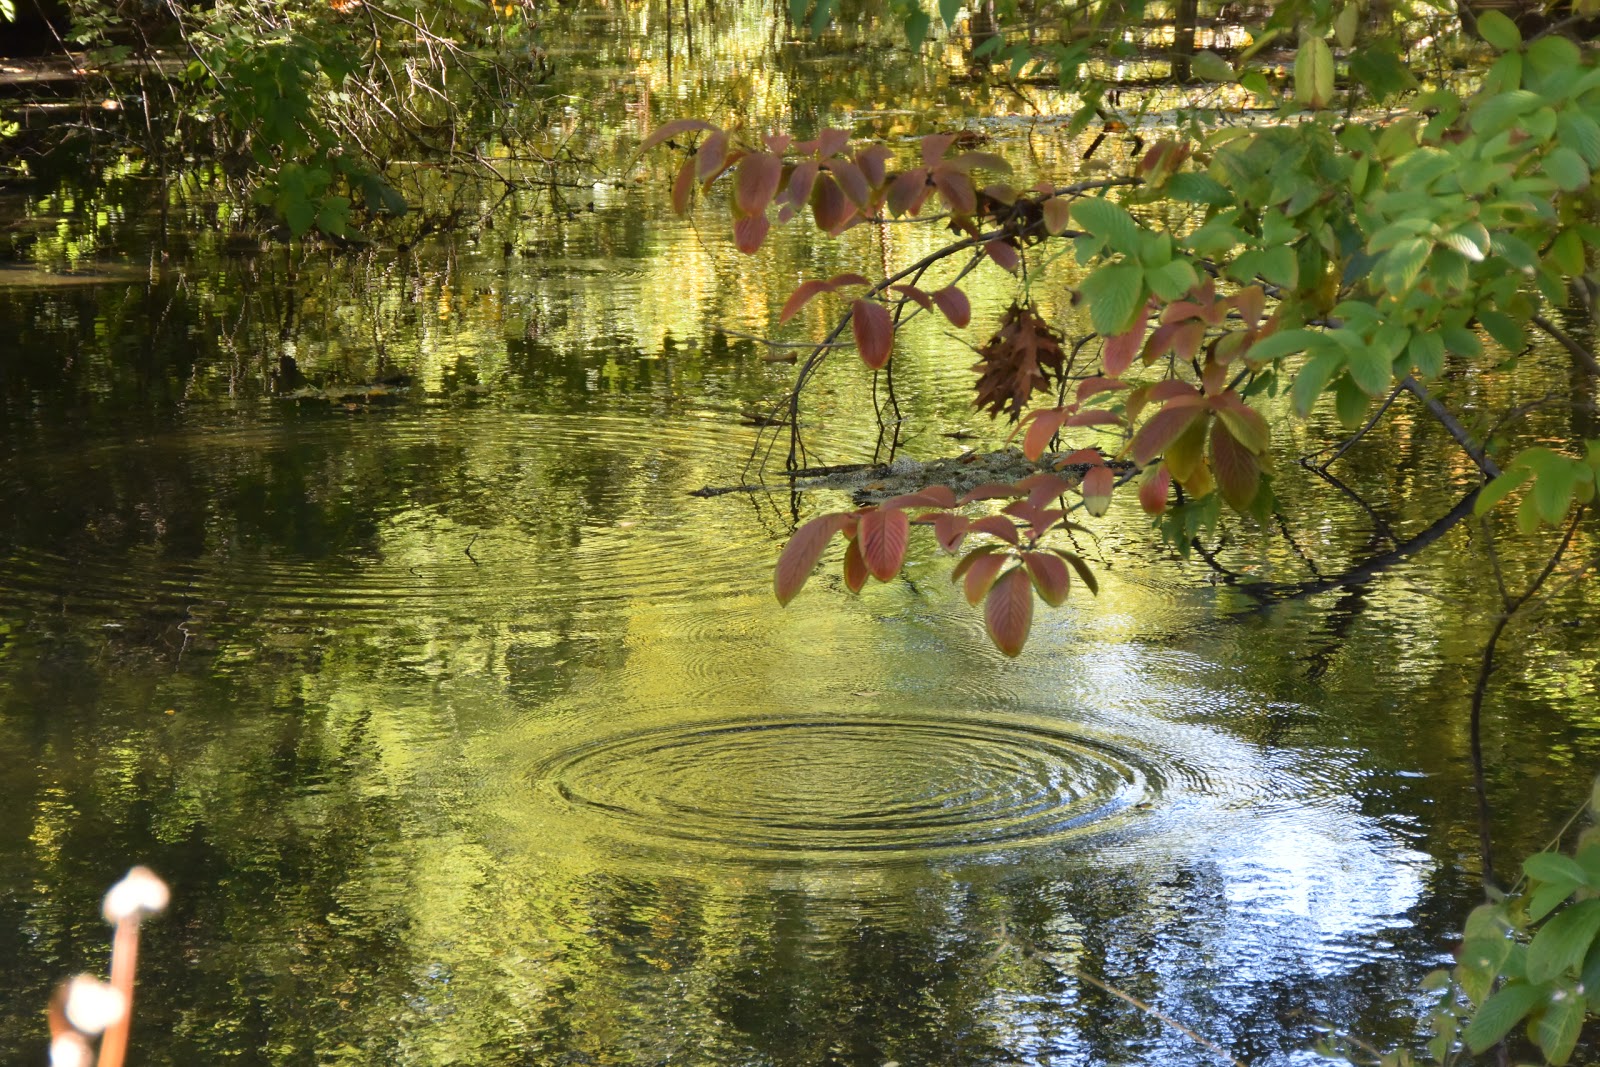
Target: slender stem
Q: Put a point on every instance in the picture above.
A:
(124, 959)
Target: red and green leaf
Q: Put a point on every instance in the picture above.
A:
(1008, 612)
(799, 557)
(883, 535)
(874, 332)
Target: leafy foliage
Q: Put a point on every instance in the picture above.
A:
(1322, 259)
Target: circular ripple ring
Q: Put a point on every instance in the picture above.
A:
(845, 785)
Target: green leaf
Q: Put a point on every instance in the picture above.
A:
(1564, 941)
(1370, 369)
(1381, 71)
(917, 25)
(1403, 263)
(1350, 402)
(1557, 1030)
(1552, 493)
(1114, 292)
(1499, 30)
(1194, 188)
(1110, 222)
(1282, 343)
(1313, 379)
(948, 10)
(1313, 73)
(1479, 963)
(1497, 490)
(1499, 1014)
(1581, 132)
(1461, 341)
(1567, 169)
(1427, 354)
(1173, 280)
(1506, 330)
(1208, 66)
(1547, 866)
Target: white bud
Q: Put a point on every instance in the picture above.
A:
(93, 1005)
(70, 1050)
(140, 893)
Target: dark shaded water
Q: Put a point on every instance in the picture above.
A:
(466, 736)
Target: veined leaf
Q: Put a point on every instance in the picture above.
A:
(1500, 1013)
(1563, 941)
(1050, 576)
(1109, 222)
(874, 332)
(800, 555)
(1008, 612)
(1114, 292)
(883, 535)
(979, 575)
(1313, 73)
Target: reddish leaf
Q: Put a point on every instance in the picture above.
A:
(1094, 386)
(1251, 302)
(1186, 458)
(801, 180)
(874, 332)
(1042, 488)
(872, 161)
(1046, 424)
(671, 130)
(756, 182)
(801, 297)
(967, 162)
(828, 142)
(1085, 575)
(683, 188)
(1169, 389)
(949, 530)
(1098, 482)
(922, 299)
(806, 290)
(966, 562)
(988, 491)
(1237, 470)
(981, 573)
(711, 156)
(1120, 350)
(1094, 417)
(855, 568)
(749, 233)
(1050, 576)
(957, 191)
(831, 207)
(935, 145)
(777, 143)
(1243, 421)
(1057, 214)
(1003, 254)
(800, 555)
(1165, 427)
(1008, 612)
(933, 496)
(883, 534)
(851, 180)
(908, 191)
(1154, 488)
(955, 305)
(996, 526)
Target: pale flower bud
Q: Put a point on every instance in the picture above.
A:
(93, 1005)
(70, 1050)
(140, 893)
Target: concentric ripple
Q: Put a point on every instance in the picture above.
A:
(780, 786)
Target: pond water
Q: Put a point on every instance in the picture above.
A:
(466, 735)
